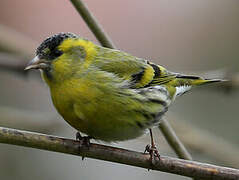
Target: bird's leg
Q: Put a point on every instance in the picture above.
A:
(152, 149)
(85, 140)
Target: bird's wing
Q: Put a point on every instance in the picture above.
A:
(140, 72)
(162, 76)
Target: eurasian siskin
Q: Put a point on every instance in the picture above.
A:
(105, 93)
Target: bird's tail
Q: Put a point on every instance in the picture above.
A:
(196, 80)
(184, 83)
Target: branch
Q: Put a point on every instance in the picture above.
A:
(92, 23)
(14, 42)
(14, 53)
(205, 142)
(112, 154)
(173, 140)
(202, 141)
(22, 118)
(13, 63)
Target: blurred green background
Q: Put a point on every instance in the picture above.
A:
(185, 36)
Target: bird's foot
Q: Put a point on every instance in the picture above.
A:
(153, 152)
(83, 140)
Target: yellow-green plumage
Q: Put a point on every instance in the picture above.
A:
(107, 94)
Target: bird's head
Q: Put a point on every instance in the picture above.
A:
(60, 54)
(48, 51)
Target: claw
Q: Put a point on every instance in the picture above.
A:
(83, 140)
(152, 150)
(147, 148)
(78, 136)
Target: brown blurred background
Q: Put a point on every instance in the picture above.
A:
(186, 36)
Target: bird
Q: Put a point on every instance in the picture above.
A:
(108, 94)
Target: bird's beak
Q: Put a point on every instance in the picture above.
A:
(37, 63)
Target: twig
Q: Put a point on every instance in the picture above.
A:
(21, 118)
(196, 139)
(107, 153)
(14, 42)
(92, 23)
(205, 142)
(14, 63)
(173, 140)
(16, 48)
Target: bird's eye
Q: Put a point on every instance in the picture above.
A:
(57, 53)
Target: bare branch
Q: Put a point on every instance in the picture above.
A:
(173, 140)
(205, 142)
(14, 63)
(107, 153)
(22, 118)
(14, 42)
(93, 24)
(202, 141)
